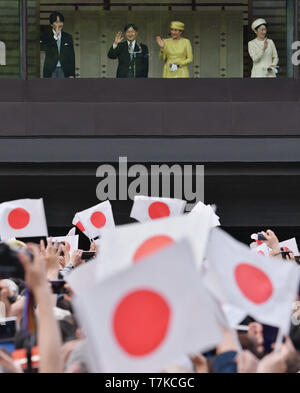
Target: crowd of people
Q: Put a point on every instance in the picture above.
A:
(133, 56)
(49, 337)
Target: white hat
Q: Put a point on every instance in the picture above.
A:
(257, 23)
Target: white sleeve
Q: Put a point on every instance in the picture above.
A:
(275, 58)
(255, 52)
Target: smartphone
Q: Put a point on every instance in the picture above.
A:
(297, 259)
(58, 287)
(8, 329)
(87, 255)
(284, 254)
(270, 335)
(260, 237)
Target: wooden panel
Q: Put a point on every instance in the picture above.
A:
(9, 33)
(234, 45)
(95, 32)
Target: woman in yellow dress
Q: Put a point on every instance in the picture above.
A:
(176, 52)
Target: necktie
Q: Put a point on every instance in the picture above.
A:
(59, 43)
(130, 49)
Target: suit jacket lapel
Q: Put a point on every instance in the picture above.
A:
(62, 42)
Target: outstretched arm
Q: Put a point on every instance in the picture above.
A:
(49, 338)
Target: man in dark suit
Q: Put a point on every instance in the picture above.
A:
(60, 56)
(133, 56)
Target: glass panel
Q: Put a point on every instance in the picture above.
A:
(9, 39)
(219, 32)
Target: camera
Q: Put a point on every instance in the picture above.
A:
(10, 265)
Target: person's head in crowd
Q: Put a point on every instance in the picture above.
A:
(56, 20)
(11, 287)
(176, 29)
(131, 31)
(20, 284)
(260, 28)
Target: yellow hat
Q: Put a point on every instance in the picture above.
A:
(177, 25)
(257, 23)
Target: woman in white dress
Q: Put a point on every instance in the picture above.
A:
(263, 52)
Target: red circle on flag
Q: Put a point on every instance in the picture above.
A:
(98, 219)
(80, 226)
(253, 282)
(151, 245)
(68, 246)
(261, 253)
(158, 210)
(18, 218)
(286, 249)
(141, 322)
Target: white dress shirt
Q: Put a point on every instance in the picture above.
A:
(58, 39)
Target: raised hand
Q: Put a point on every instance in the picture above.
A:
(118, 38)
(266, 44)
(65, 259)
(272, 240)
(160, 42)
(199, 363)
(51, 257)
(76, 258)
(94, 247)
(35, 268)
(246, 362)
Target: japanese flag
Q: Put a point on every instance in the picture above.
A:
(95, 220)
(70, 241)
(149, 208)
(290, 245)
(200, 206)
(145, 317)
(263, 287)
(262, 249)
(22, 218)
(127, 244)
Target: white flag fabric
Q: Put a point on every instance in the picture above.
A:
(150, 208)
(127, 244)
(95, 220)
(290, 245)
(263, 287)
(262, 249)
(145, 317)
(22, 218)
(200, 206)
(70, 241)
(84, 276)
(233, 315)
(71, 232)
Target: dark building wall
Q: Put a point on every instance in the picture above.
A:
(54, 134)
